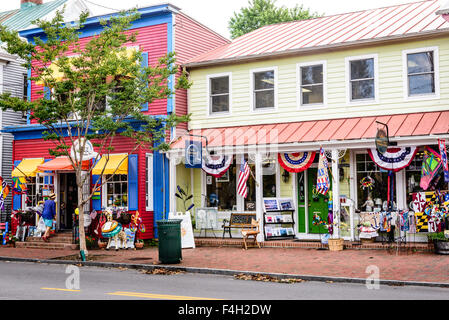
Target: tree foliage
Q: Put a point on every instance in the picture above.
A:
(260, 13)
(97, 90)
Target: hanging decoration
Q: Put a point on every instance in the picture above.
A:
(4, 193)
(394, 159)
(430, 165)
(322, 183)
(367, 183)
(444, 162)
(296, 162)
(217, 165)
(19, 185)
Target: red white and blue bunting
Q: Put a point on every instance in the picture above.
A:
(394, 159)
(217, 165)
(296, 162)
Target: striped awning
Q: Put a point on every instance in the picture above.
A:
(27, 168)
(401, 125)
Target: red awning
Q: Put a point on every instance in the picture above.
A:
(60, 164)
(401, 125)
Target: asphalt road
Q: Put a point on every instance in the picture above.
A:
(36, 281)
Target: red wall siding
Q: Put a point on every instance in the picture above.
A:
(151, 39)
(192, 38)
(38, 148)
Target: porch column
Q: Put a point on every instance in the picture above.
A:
(259, 196)
(172, 187)
(335, 193)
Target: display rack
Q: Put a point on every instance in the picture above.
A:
(275, 222)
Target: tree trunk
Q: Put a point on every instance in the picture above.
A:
(82, 235)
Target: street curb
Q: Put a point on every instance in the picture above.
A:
(226, 272)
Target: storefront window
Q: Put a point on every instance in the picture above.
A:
(221, 192)
(269, 178)
(117, 190)
(250, 200)
(372, 185)
(31, 196)
(413, 176)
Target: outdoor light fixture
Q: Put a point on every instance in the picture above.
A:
(285, 176)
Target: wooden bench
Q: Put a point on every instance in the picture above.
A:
(238, 220)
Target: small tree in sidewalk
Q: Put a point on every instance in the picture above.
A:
(96, 92)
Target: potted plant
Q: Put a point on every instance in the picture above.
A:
(101, 244)
(183, 195)
(139, 244)
(440, 242)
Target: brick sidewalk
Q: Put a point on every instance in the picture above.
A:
(405, 266)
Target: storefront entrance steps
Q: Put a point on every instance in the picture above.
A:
(238, 242)
(60, 240)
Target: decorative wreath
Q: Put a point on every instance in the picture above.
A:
(367, 182)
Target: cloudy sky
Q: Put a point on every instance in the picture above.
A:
(216, 13)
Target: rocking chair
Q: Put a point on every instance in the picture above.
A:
(253, 232)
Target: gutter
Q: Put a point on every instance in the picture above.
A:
(332, 47)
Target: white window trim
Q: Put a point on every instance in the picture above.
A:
(209, 112)
(149, 199)
(104, 200)
(350, 102)
(436, 66)
(251, 90)
(299, 103)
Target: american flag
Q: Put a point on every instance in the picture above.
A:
(243, 177)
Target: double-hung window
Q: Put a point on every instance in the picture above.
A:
(362, 73)
(264, 88)
(117, 190)
(421, 72)
(311, 84)
(219, 93)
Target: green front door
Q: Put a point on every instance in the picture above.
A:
(316, 203)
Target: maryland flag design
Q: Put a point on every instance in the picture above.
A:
(422, 222)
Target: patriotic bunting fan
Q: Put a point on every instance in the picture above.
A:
(217, 165)
(394, 159)
(296, 162)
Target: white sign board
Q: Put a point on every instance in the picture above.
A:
(187, 240)
(89, 152)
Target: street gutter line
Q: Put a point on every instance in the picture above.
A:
(227, 272)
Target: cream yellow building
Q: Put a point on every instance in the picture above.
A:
(328, 83)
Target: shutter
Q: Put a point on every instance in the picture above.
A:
(17, 198)
(144, 65)
(96, 198)
(133, 192)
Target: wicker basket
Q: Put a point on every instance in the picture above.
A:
(336, 244)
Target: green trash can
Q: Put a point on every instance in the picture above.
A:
(169, 240)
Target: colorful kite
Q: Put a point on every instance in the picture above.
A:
(430, 165)
(443, 155)
(296, 162)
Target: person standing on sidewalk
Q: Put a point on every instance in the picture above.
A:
(48, 214)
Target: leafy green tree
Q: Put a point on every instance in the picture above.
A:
(260, 13)
(97, 92)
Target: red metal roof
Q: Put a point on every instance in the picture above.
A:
(401, 125)
(346, 28)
